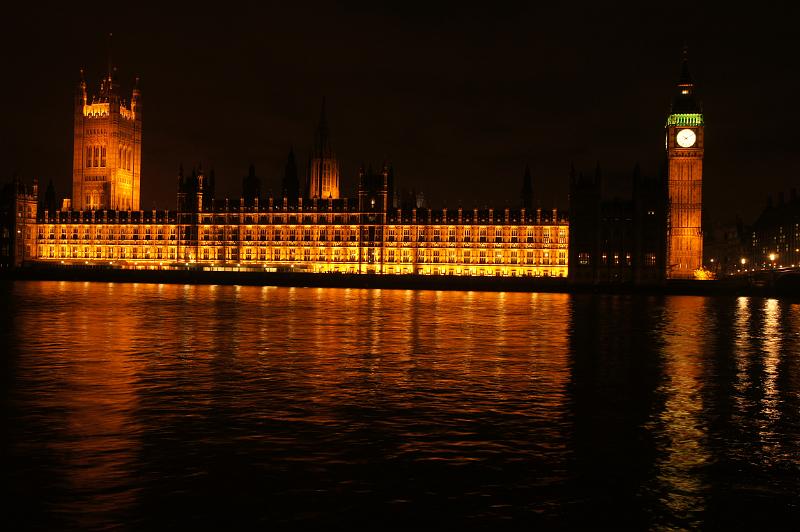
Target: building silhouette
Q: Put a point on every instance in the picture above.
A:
(617, 240)
(774, 238)
(323, 166)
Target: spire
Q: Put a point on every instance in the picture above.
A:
(323, 121)
(684, 101)
(251, 186)
(322, 144)
(290, 185)
(527, 188)
(598, 176)
(686, 77)
(110, 64)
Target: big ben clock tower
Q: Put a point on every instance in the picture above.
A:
(685, 180)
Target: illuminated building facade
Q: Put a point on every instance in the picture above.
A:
(107, 148)
(318, 231)
(685, 140)
(363, 235)
(656, 234)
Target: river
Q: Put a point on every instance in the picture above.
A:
(159, 406)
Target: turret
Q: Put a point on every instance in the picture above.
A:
(251, 187)
(136, 100)
(290, 185)
(527, 189)
(323, 167)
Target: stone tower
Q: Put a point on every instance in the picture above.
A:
(685, 141)
(323, 167)
(107, 150)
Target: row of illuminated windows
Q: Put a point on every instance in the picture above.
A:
(107, 252)
(96, 157)
(615, 259)
(295, 234)
(110, 233)
(295, 254)
(545, 235)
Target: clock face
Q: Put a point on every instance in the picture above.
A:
(686, 138)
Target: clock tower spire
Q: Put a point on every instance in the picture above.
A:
(685, 141)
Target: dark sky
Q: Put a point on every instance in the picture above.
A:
(458, 98)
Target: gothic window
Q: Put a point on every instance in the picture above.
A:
(102, 156)
(88, 156)
(96, 158)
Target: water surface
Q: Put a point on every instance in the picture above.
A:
(158, 406)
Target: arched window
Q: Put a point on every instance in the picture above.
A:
(103, 157)
(88, 156)
(96, 161)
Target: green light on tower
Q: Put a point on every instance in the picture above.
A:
(689, 119)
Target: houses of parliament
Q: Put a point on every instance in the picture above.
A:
(313, 228)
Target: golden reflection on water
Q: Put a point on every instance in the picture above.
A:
(681, 422)
(320, 376)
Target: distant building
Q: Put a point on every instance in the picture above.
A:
(725, 245)
(775, 235)
(617, 240)
(18, 227)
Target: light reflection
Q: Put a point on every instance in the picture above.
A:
(771, 341)
(321, 378)
(681, 420)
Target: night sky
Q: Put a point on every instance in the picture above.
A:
(459, 99)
